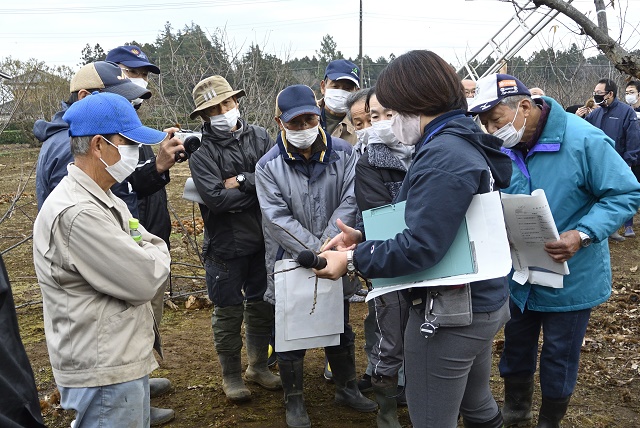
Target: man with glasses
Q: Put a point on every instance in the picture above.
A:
(98, 320)
(620, 123)
(304, 184)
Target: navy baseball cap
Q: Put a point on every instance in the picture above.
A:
(102, 113)
(131, 56)
(492, 89)
(109, 77)
(342, 69)
(294, 101)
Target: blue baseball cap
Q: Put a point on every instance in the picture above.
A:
(342, 69)
(131, 56)
(295, 100)
(492, 89)
(103, 113)
(108, 77)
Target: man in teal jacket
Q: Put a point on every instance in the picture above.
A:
(591, 191)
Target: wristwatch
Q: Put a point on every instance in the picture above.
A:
(351, 268)
(240, 178)
(585, 240)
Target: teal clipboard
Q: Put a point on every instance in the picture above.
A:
(387, 221)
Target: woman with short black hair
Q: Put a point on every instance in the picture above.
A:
(447, 373)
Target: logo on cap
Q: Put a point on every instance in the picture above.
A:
(135, 51)
(354, 71)
(508, 87)
(211, 94)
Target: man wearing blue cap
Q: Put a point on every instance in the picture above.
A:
(341, 78)
(98, 320)
(136, 66)
(591, 191)
(307, 168)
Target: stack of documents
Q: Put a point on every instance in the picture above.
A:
(529, 226)
(297, 326)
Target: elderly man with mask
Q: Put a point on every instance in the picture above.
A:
(304, 184)
(590, 192)
(96, 280)
(341, 77)
(223, 171)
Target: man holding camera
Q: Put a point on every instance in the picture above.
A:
(223, 173)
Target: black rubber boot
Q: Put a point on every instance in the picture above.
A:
(343, 366)
(232, 384)
(385, 389)
(495, 422)
(518, 394)
(291, 375)
(552, 411)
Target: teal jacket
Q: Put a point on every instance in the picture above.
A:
(591, 189)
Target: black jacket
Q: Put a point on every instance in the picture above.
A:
(19, 405)
(232, 217)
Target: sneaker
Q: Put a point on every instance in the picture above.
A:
(629, 233)
(364, 384)
(615, 236)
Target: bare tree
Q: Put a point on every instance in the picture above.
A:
(623, 60)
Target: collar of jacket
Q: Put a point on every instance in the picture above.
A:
(320, 149)
(209, 133)
(436, 125)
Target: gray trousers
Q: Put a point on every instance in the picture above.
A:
(384, 330)
(449, 372)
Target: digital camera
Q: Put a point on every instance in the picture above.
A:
(191, 142)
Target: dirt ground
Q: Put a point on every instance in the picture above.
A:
(606, 395)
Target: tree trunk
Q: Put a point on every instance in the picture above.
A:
(619, 57)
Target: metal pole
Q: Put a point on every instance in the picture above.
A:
(361, 58)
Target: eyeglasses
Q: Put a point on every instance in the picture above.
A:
(302, 122)
(132, 72)
(601, 93)
(469, 92)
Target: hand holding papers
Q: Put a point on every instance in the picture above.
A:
(530, 225)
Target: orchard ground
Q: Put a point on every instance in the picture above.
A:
(607, 394)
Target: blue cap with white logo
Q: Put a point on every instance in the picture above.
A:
(342, 69)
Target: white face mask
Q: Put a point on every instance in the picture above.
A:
(469, 101)
(363, 135)
(302, 139)
(129, 156)
(227, 121)
(336, 100)
(508, 134)
(406, 128)
(143, 84)
(631, 99)
(382, 128)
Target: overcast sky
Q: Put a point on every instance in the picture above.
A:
(56, 32)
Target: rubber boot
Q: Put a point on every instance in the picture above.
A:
(343, 366)
(258, 371)
(552, 411)
(160, 416)
(495, 422)
(291, 375)
(159, 386)
(232, 384)
(518, 394)
(385, 389)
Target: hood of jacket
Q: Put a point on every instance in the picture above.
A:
(43, 129)
(488, 145)
(224, 138)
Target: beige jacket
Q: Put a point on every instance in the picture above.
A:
(96, 285)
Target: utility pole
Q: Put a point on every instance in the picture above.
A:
(361, 58)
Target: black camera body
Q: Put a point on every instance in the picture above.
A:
(191, 142)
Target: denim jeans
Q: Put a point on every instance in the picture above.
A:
(118, 405)
(562, 335)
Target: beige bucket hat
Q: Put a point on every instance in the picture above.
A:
(211, 91)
